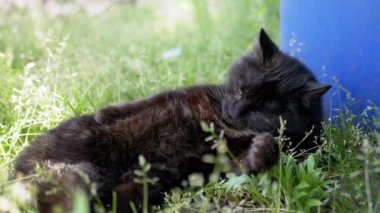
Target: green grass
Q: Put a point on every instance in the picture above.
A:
(55, 67)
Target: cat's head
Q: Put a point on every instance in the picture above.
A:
(267, 80)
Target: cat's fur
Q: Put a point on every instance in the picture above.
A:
(166, 130)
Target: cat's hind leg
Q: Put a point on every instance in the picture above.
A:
(57, 184)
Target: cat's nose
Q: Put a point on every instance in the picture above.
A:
(234, 114)
(231, 113)
(226, 110)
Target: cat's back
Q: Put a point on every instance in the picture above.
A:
(165, 124)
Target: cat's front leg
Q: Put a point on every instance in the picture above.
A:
(260, 156)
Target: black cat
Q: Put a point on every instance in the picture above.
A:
(165, 128)
(266, 84)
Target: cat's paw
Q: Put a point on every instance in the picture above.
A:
(262, 154)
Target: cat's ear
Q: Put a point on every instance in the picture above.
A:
(313, 91)
(264, 49)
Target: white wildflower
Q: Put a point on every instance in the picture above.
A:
(19, 191)
(5, 204)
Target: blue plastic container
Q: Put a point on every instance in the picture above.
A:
(336, 39)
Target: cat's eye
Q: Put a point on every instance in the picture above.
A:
(239, 94)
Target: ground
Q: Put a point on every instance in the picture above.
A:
(64, 58)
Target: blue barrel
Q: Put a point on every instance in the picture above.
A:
(339, 40)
